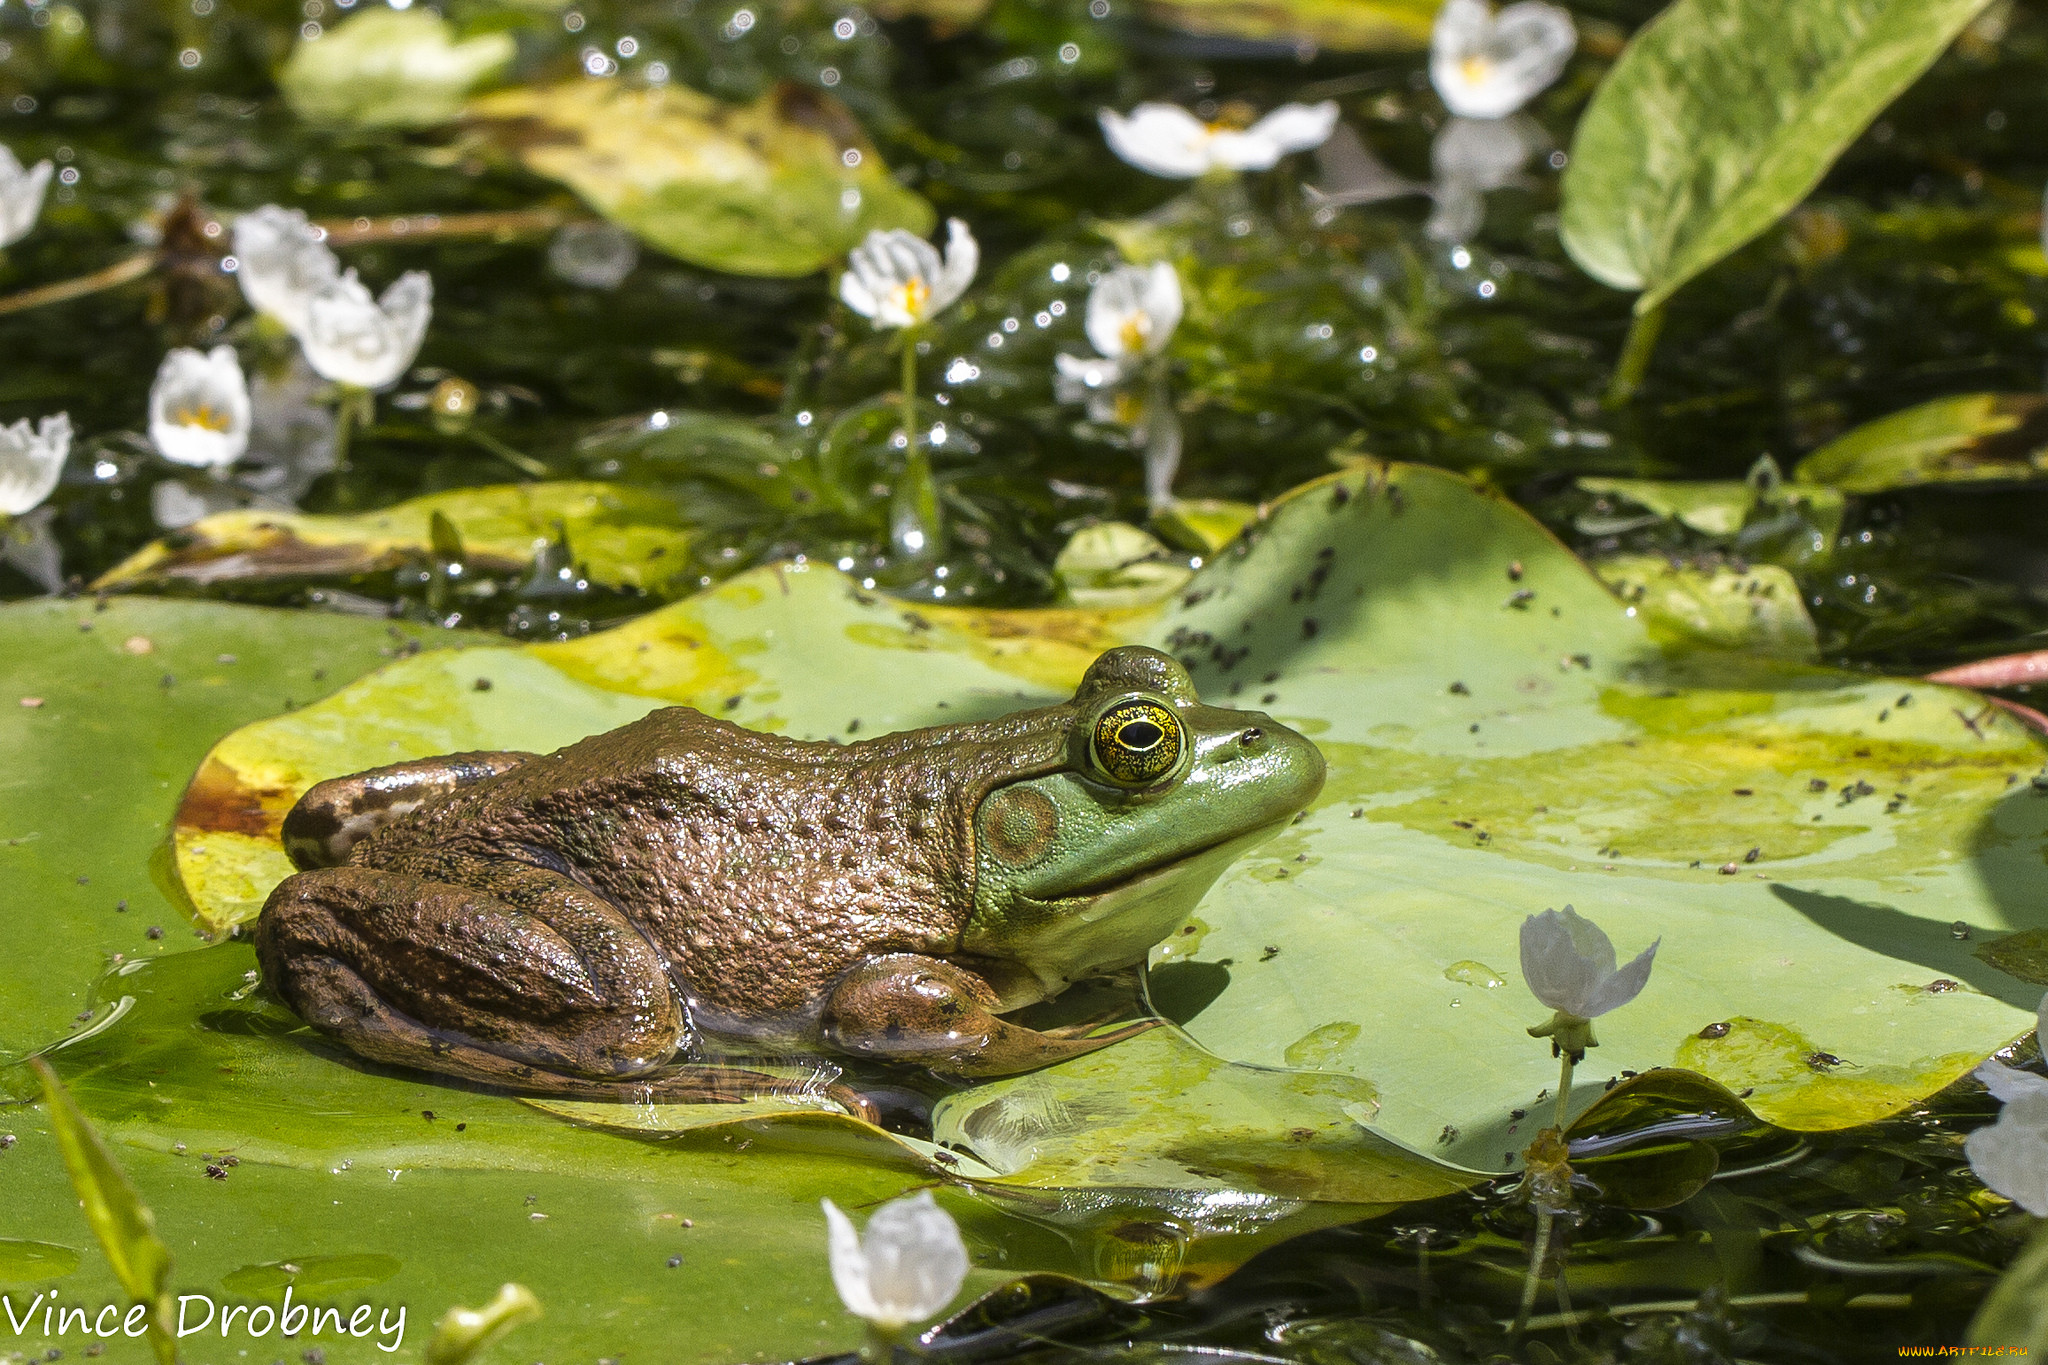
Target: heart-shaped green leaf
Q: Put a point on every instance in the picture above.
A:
(1721, 115)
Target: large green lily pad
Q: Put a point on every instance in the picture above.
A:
(1801, 840)
(784, 186)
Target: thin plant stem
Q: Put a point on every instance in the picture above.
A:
(348, 411)
(1776, 1300)
(442, 226)
(908, 395)
(1422, 1271)
(881, 1343)
(1564, 1088)
(1544, 1218)
(524, 463)
(1636, 351)
(112, 277)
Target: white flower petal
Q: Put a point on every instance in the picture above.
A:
(1617, 988)
(1162, 139)
(31, 460)
(1485, 66)
(963, 258)
(849, 1264)
(1485, 154)
(353, 339)
(21, 195)
(916, 1260)
(1296, 127)
(1569, 965)
(2009, 1083)
(282, 262)
(2011, 1156)
(199, 408)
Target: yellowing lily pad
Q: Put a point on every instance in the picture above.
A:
(1757, 609)
(1971, 437)
(784, 186)
(619, 536)
(1802, 841)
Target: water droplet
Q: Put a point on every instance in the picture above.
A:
(1471, 973)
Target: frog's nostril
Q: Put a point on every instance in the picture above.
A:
(1251, 739)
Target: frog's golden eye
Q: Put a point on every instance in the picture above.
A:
(1137, 742)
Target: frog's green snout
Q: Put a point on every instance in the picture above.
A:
(1267, 771)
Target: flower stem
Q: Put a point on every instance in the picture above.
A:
(524, 463)
(1636, 351)
(1564, 1088)
(881, 1343)
(907, 396)
(1544, 1218)
(113, 276)
(352, 407)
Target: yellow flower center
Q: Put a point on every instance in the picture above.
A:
(203, 415)
(1136, 330)
(912, 296)
(1476, 70)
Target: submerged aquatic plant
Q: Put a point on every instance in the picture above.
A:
(199, 408)
(2011, 1156)
(1167, 140)
(907, 1267)
(1132, 314)
(1487, 65)
(21, 195)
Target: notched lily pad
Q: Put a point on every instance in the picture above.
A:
(1758, 609)
(618, 536)
(784, 186)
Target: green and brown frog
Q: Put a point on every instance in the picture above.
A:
(577, 923)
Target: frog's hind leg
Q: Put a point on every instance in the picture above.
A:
(336, 815)
(909, 1008)
(535, 985)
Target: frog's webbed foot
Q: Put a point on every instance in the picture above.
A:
(336, 815)
(909, 1008)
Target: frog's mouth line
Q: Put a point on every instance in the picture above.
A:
(1237, 845)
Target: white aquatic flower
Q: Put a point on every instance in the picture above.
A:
(199, 408)
(1486, 65)
(1167, 140)
(1132, 314)
(282, 261)
(21, 196)
(31, 458)
(367, 343)
(1569, 965)
(2011, 1156)
(908, 1267)
(29, 545)
(897, 278)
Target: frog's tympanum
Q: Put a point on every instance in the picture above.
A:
(575, 922)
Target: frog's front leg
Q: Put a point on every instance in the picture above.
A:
(336, 815)
(524, 979)
(909, 1008)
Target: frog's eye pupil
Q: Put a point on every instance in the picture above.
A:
(1140, 735)
(1137, 742)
